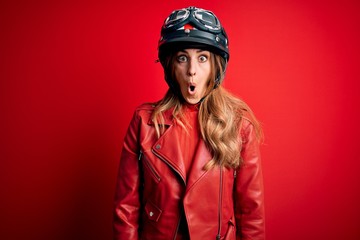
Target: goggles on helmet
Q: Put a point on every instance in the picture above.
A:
(202, 19)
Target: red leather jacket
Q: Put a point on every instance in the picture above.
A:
(152, 188)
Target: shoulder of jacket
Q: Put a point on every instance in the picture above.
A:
(246, 126)
(145, 108)
(143, 112)
(246, 120)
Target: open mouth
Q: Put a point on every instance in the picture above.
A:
(191, 89)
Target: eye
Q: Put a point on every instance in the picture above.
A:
(182, 58)
(203, 58)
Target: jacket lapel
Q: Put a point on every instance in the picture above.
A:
(168, 150)
(201, 157)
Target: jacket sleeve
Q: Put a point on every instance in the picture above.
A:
(127, 197)
(248, 191)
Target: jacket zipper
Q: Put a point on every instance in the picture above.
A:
(218, 236)
(168, 164)
(151, 168)
(177, 227)
(163, 159)
(154, 173)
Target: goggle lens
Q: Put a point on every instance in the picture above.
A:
(207, 18)
(204, 17)
(176, 17)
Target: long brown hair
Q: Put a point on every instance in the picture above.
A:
(220, 115)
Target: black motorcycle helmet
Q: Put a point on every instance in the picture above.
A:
(192, 27)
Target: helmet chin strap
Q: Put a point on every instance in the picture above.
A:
(202, 99)
(217, 83)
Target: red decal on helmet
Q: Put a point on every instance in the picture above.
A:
(188, 26)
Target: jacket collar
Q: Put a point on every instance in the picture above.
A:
(168, 114)
(168, 118)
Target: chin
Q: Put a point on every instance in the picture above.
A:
(192, 101)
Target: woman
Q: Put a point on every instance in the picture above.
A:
(190, 165)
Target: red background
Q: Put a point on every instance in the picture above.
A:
(72, 73)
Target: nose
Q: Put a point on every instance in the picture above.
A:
(192, 67)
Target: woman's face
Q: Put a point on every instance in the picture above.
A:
(192, 68)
